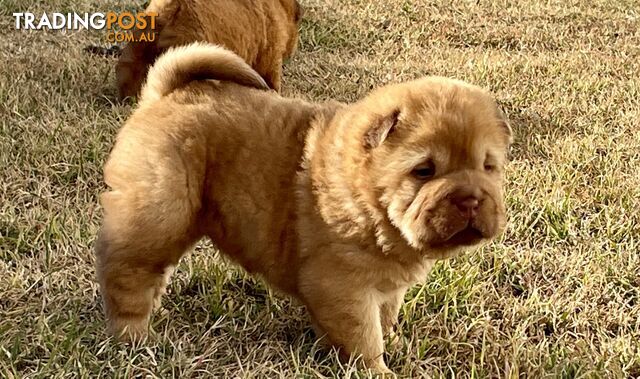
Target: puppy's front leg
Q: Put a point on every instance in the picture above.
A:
(351, 320)
(389, 313)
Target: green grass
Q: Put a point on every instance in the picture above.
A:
(558, 295)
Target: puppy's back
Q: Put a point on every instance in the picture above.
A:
(262, 32)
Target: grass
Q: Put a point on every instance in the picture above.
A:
(558, 295)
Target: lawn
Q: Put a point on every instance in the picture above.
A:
(557, 295)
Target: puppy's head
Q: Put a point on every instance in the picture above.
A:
(432, 159)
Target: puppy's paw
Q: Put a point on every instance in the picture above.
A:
(129, 330)
(393, 339)
(382, 371)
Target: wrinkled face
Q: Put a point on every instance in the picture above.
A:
(436, 166)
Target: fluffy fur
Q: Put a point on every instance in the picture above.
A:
(262, 32)
(341, 206)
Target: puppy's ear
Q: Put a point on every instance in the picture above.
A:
(380, 130)
(504, 122)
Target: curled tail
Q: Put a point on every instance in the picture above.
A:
(197, 61)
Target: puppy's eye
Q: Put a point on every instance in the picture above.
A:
(490, 163)
(425, 170)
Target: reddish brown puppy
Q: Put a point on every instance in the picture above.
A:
(263, 32)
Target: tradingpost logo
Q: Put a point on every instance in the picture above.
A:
(120, 27)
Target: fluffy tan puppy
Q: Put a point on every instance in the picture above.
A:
(341, 206)
(263, 32)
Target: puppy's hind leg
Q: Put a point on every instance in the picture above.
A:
(150, 221)
(271, 71)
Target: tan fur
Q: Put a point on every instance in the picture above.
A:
(262, 32)
(192, 62)
(321, 200)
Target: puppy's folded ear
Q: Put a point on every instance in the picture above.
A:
(504, 122)
(382, 128)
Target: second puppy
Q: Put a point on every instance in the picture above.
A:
(341, 206)
(263, 32)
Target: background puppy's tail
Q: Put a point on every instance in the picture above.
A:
(198, 61)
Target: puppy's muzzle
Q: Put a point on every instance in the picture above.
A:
(467, 201)
(467, 219)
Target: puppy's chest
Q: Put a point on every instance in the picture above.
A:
(385, 273)
(395, 276)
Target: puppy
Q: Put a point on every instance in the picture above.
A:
(263, 32)
(341, 206)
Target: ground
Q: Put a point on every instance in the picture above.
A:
(556, 296)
